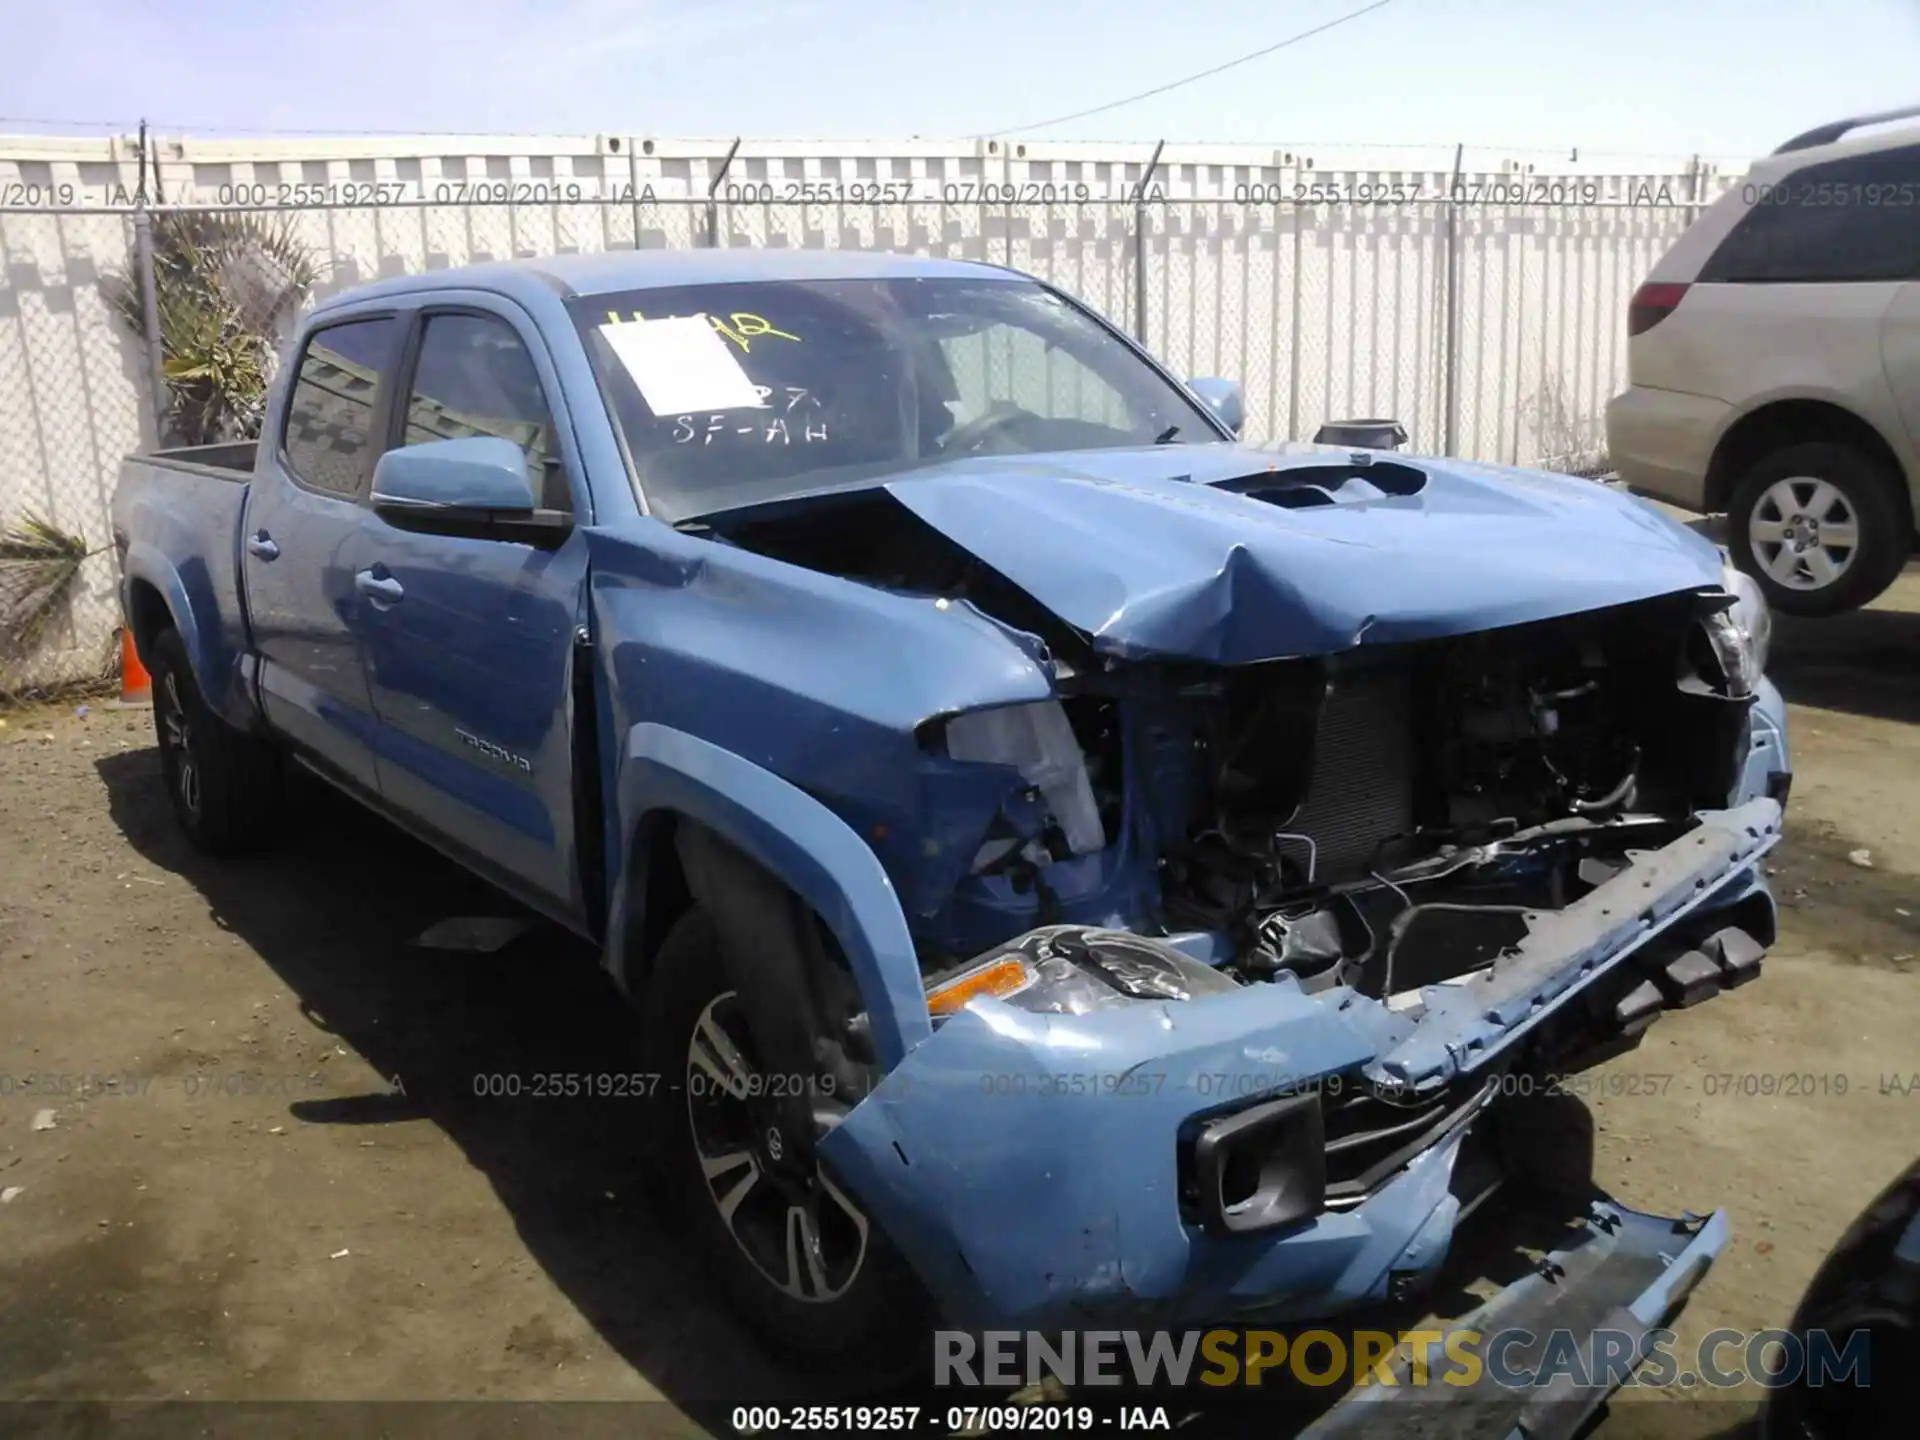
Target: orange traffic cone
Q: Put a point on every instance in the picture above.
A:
(136, 686)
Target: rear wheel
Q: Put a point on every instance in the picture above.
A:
(796, 1255)
(1823, 527)
(222, 782)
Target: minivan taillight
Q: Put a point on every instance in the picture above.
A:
(1651, 304)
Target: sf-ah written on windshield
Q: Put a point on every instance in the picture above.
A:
(796, 419)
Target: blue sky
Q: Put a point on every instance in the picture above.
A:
(1652, 77)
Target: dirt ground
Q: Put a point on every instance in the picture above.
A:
(269, 1176)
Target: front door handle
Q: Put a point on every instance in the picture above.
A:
(262, 544)
(382, 590)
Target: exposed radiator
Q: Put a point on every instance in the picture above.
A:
(1361, 791)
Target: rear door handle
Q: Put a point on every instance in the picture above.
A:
(383, 590)
(262, 545)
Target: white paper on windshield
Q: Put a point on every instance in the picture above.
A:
(681, 366)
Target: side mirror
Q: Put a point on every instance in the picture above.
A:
(476, 487)
(1225, 399)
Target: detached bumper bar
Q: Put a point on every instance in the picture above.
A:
(1627, 1275)
(1563, 949)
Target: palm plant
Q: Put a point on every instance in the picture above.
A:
(225, 285)
(38, 564)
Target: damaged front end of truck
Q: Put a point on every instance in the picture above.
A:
(1303, 923)
(1291, 851)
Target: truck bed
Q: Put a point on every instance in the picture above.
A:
(229, 460)
(177, 515)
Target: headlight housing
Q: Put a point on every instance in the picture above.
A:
(1077, 969)
(1752, 619)
(1037, 740)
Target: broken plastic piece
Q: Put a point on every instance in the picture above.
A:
(1688, 979)
(1638, 1006)
(1037, 740)
(1737, 954)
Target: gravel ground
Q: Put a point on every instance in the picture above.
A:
(281, 1183)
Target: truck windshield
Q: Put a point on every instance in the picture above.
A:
(737, 394)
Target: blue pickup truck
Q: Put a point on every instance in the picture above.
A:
(1070, 867)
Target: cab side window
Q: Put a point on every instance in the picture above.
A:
(327, 438)
(475, 377)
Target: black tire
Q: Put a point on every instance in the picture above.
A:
(881, 1320)
(1860, 1287)
(1881, 516)
(223, 783)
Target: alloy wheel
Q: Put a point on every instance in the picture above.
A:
(797, 1228)
(1804, 532)
(177, 735)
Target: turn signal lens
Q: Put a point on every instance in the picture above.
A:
(998, 977)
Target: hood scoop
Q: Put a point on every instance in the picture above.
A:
(1349, 482)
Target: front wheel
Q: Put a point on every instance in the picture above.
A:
(1823, 527)
(797, 1256)
(222, 782)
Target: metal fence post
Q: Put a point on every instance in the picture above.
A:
(1140, 244)
(713, 189)
(633, 187)
(1450, 368)
(1293, 337)
(150, 296)
(1007, 192)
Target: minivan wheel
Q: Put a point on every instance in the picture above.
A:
(1822, 526)
(797, 1256)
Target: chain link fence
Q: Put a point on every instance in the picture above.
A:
(73, 393)
(1487, 319)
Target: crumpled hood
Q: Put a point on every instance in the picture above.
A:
(1148, 552)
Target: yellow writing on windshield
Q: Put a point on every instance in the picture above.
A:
(748, 327)
(742, 327)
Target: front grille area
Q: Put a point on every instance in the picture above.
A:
(1371, 1138)
(1361, 788)
(1281, 1159)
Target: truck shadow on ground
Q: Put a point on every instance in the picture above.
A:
(332, 910)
